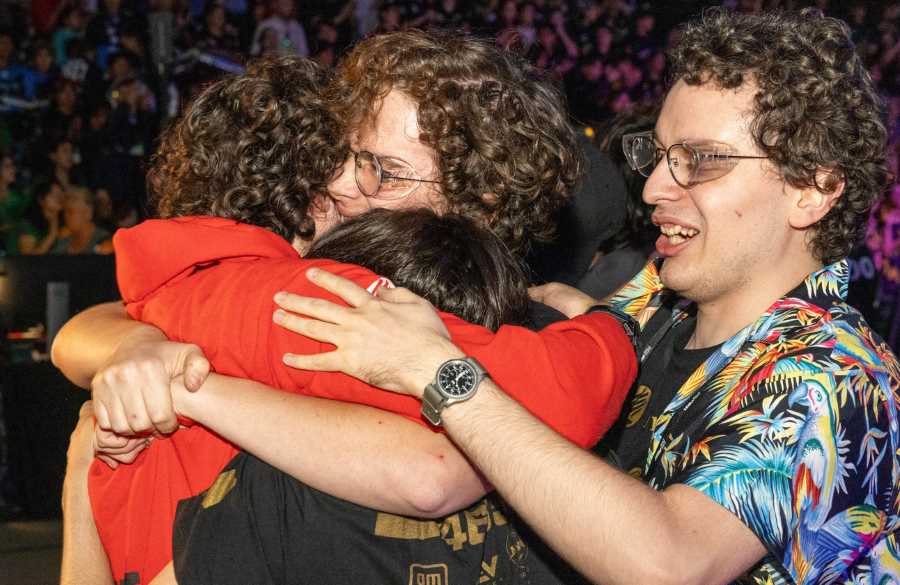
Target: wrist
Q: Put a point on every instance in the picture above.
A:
(426, 366)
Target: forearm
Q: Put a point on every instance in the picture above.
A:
(83, 558)
(91, 337)
(361, 454)
(610, 526)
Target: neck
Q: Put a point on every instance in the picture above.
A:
(721, 318)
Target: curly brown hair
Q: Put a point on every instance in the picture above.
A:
(506, 152)
(816, 108)
(257, 148)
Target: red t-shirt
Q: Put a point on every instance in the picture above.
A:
(211, 281)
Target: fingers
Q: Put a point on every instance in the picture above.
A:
(158, 407)
(352, 294)
(133, 397)
(318, 330)
(319, 362)
(86, 410)
(312, 307)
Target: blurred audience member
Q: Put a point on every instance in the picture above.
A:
(81, 235)
(12, 201)
(60, 163)
(62, 120)
(42, 71)
(38, 231)
(72, 22)
(290, 33)
(12, 75)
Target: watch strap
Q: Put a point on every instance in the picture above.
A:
(432, 404)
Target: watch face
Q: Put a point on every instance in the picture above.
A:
(456, 378)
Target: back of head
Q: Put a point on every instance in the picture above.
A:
(506, 153)
(257, 148)
(459, 267)
(816, 107)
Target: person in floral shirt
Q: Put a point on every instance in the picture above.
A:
(760, 443)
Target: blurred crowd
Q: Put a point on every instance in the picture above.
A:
(86, 85)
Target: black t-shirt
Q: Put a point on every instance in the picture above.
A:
(257, 525)
(664, 371)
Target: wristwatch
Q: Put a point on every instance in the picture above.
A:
(456, 381)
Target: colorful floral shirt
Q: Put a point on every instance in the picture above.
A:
(792, 425)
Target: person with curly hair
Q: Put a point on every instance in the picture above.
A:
(760, 443)
(455, 124)
(237, 180)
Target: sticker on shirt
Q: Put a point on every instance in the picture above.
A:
(428, 574)
(380, 282)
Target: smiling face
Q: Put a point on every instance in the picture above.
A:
(720, 238)
(393, 134)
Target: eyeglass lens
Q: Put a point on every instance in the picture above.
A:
(368, 173)
(687, 165)
(384, 178)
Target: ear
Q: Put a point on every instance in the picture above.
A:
(812, 203)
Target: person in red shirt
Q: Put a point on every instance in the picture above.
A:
(574, 373)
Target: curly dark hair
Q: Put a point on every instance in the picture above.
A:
(458, 266)
(816, 108)
(258, 148)
(506, 152)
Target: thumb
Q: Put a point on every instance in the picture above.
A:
(196, 369)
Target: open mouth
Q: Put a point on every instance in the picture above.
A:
(677, 234)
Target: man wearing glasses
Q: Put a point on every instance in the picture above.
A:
(760, 444)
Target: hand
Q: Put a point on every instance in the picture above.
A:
(562, 297)
(132, 392)
(114, 449)
(395, 341)
(80, 453)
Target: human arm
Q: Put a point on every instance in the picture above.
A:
(608, 525)
(361, 454)
(83, 558)
(399, 466)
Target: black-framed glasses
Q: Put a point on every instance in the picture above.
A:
(689, 164)
(385, 177)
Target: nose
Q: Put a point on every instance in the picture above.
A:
(661, 186)
(347, 196)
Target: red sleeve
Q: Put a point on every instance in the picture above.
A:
(572, 375)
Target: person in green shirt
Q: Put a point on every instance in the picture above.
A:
(39, 229)
(12, 201)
